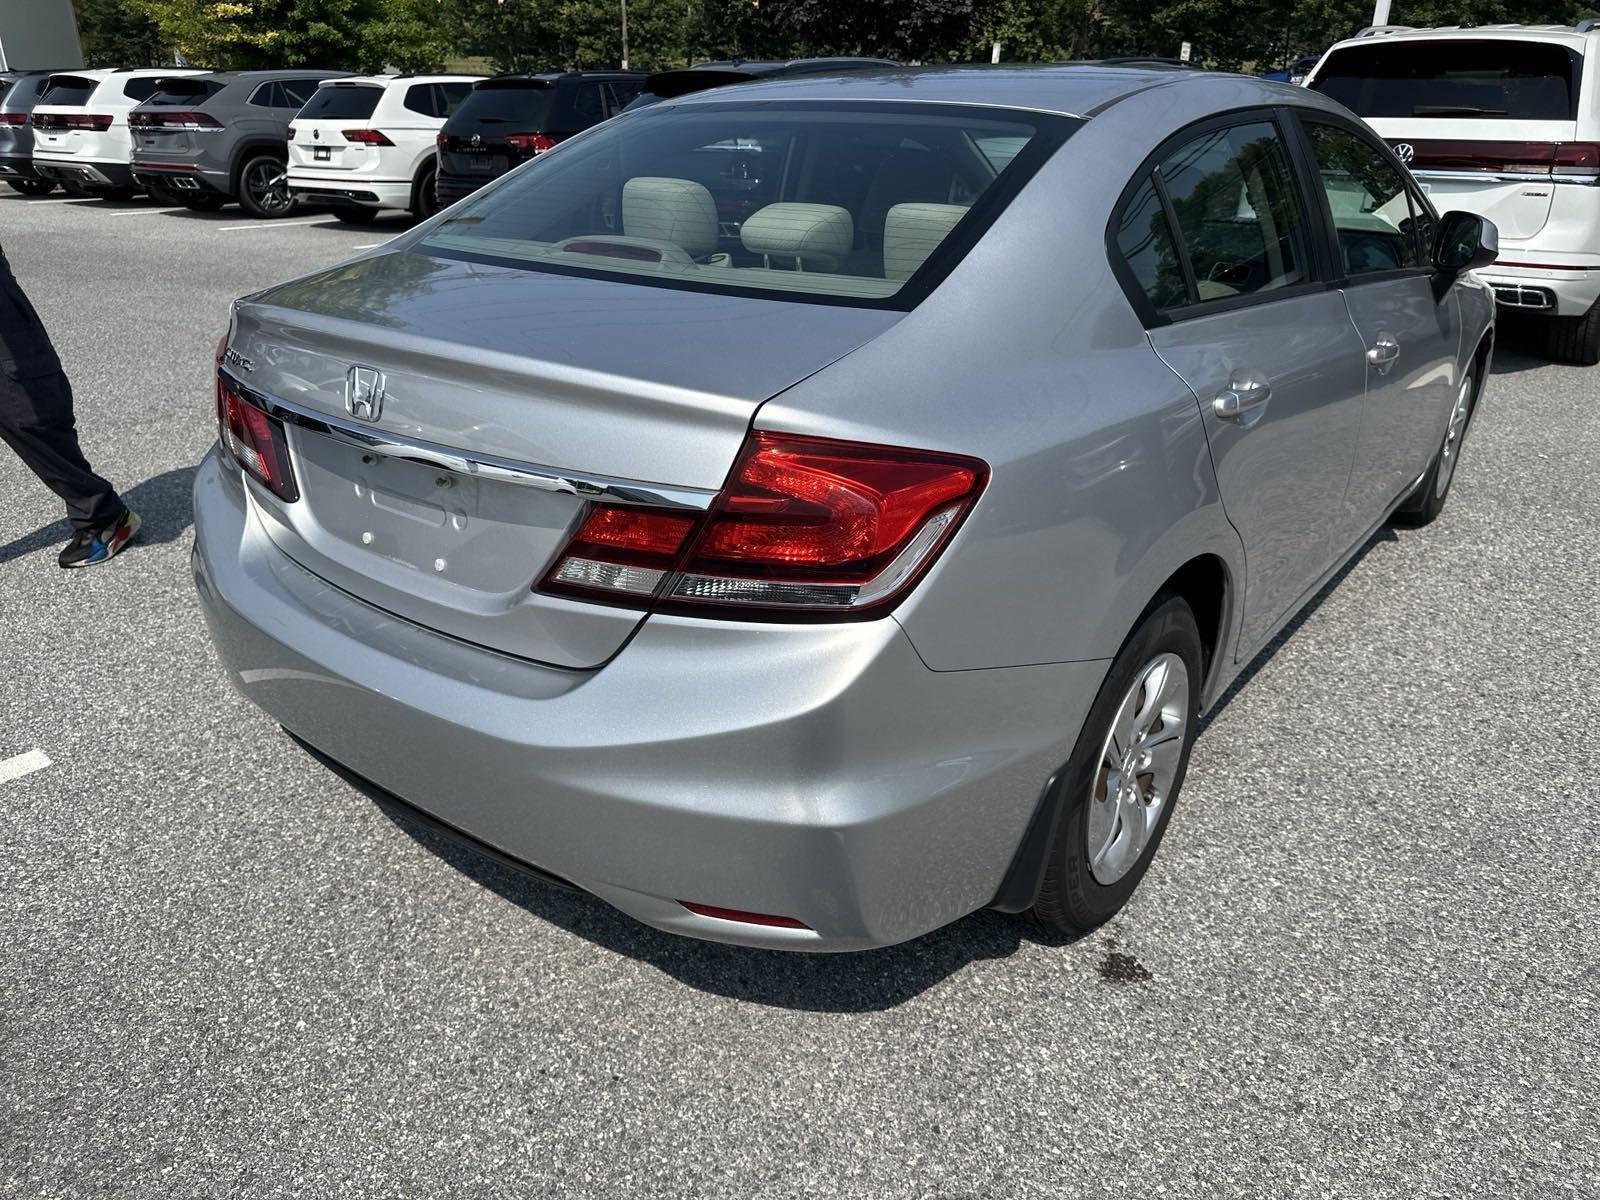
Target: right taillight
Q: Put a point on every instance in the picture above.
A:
(13, 118)
(256, 441)
(804, 527)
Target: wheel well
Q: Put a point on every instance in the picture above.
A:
(431, 163)
(248, 151)
(1202, 583)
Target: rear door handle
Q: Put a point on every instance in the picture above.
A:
(1383, 353)
(1243, 399)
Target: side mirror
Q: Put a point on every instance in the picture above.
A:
(1464, 242)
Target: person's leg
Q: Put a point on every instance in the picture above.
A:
(36, 421)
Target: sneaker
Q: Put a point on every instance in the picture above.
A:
(89, 547)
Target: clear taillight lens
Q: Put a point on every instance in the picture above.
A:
(805, 526)
(255, 440)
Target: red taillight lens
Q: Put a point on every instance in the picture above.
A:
(530, 143)
(255, 440)
(174, 120)
(805, 525)
(13, 118)
(95, 122)
(291, 133)
(1561, 159)
(367, 137)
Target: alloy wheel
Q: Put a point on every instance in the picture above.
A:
(1452, 438)
(268, 186)
(1138, 765)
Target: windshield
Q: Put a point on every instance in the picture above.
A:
(848, 203)
(343, 101)
(1482, 78)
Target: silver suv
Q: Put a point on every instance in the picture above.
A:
(805, 512)
(1502, 120)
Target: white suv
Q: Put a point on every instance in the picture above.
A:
(369, 143)
(80, 127)
(1501, 120)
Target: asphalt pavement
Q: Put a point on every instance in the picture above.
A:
(1366, 962)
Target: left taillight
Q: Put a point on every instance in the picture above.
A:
(255, 439)
(806, 527)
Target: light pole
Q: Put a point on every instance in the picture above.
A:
(1380, 12)
(624, 34)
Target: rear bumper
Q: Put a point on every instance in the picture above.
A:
(817, 772)
(367, 193)
(17, 166)
(458, 187)
(90, 173)
(1548, 291)
(182, 177)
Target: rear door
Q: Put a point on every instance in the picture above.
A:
(1223, 249)
(62, 119)
(1480, 120)
(495, 127)
(319, 144)
(1383, 242)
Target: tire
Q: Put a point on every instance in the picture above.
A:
(425, 194)
(1084, 886)
(264, 188)
(1575, 340)
(202, 202)
(32, 187)
(353, 214)
(1424, 505)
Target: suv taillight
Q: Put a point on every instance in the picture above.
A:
(367, 137)
(94, 122)
(1561, 160)
(804, 526)
(197, 121)
(256, 440)
(530, 143)
(13, 118)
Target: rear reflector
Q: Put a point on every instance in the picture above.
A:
(367, 137)
(255, 440)
(804, 526)
(744, 918)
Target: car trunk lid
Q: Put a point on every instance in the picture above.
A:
(584, 379)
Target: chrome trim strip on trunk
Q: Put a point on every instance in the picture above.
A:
(484, 466)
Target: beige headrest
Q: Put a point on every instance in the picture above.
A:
(817, 235)
(679, 211)
(911, 232)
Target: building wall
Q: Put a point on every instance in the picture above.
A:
(38, 33)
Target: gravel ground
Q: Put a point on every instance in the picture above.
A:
(1366, 962)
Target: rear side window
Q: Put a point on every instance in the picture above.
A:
(588, 105)
(1238, 212)
(1372, 209)
(451, 96)
(295, 92)
(68, 89)
(1488, 78)
(343, 102)
(1144, 238)
(423, 98)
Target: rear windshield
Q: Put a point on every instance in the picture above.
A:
(142, 88)
(866, 204)
(342, 101)
(522, 105)
(68, 89)
(184, 91)
(1487, 78)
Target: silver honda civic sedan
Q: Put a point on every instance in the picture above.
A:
(804, 513)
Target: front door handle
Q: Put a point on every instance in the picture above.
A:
(1243, 399)
(1383, 352)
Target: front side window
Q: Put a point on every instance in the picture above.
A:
(1371, 206)
(1144, 236)
(1478, 78)
(845, 202)
(1234, 197)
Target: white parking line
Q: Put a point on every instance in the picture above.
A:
(23, 764)
(145, 212)
(30, 202)
(270, 224)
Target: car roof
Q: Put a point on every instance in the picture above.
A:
(511, 78)
(1072, 89)
(267, 75)
(386, 80)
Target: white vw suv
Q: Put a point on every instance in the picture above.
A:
(369, 143)
(1504, 121)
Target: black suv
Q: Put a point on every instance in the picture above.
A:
(510, 118)
(19, 92)
(203, 140)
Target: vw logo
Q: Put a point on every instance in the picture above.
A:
(316, 135)
(363, 393)
(1405, 152)
(477, 139)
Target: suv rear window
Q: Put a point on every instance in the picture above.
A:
(1486, 78)
(847, 203)
(69, 89)
(141, 89)
(522, 105)
(343, 101)
(179, 92)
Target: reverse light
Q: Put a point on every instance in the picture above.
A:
(367, 137)
(255, 439)
(804, 527)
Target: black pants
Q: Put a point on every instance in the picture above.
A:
(36, 412)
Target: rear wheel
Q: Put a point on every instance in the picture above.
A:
(355, 215)
(1119, 787)
(1575, 340)
(32, 187)
(425, 193)
(264, 188)
(1427, 502)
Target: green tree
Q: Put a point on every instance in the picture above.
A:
(114, 35)
(264, 33)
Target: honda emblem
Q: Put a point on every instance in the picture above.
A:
(363, 393)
